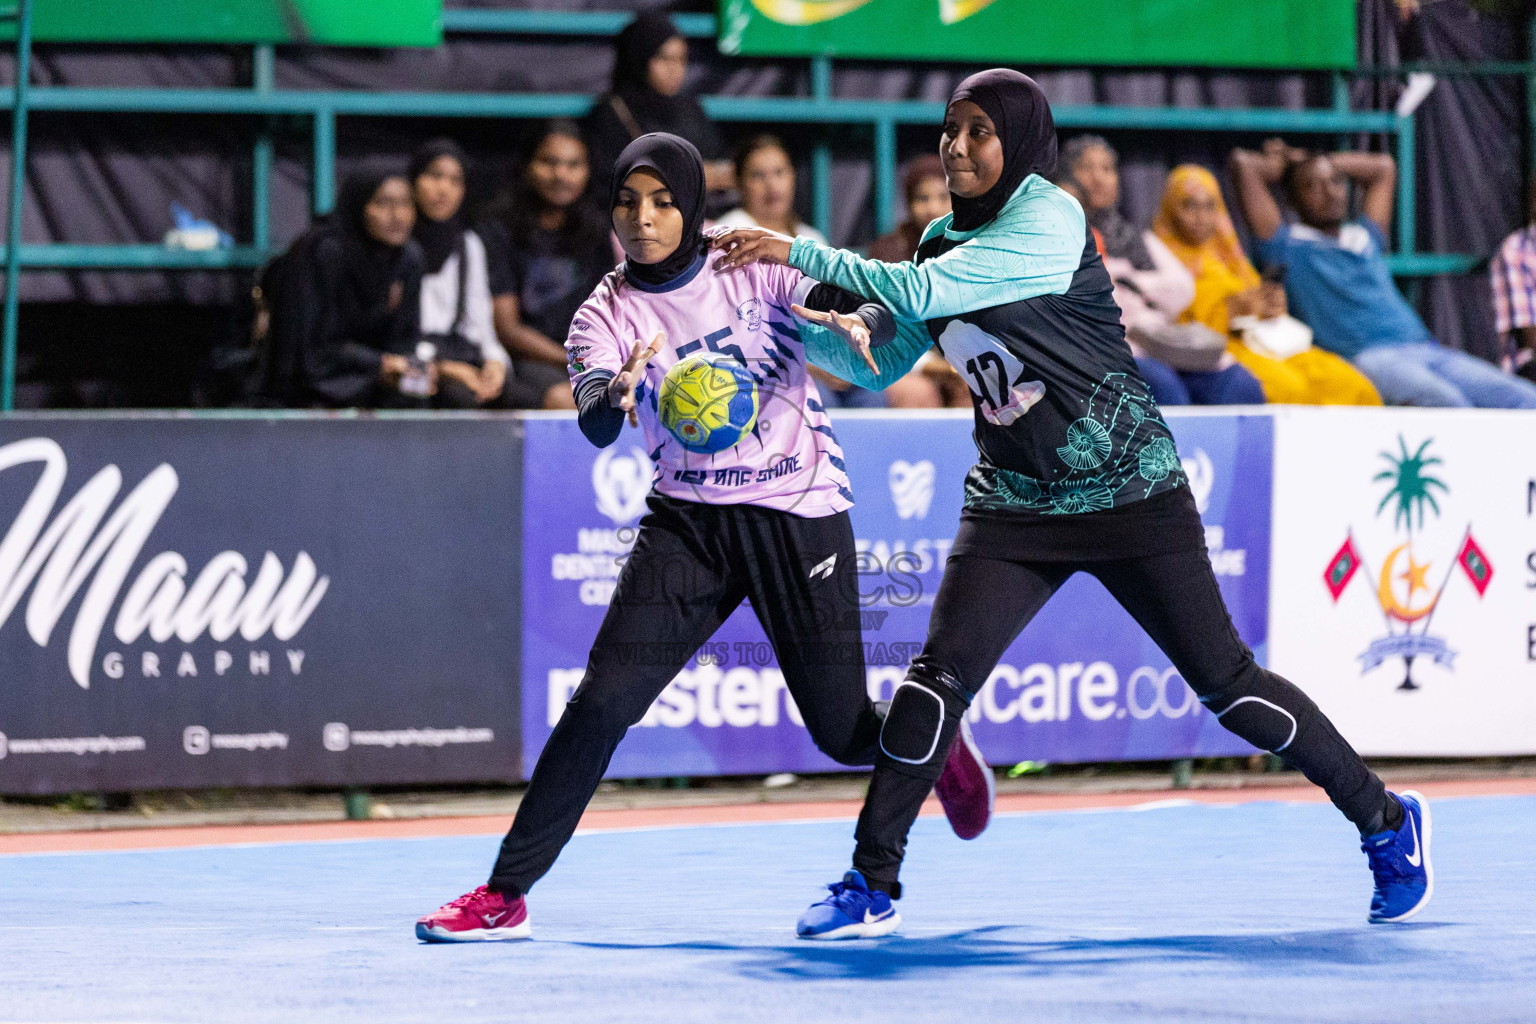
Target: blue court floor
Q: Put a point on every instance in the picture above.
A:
(1254, 912)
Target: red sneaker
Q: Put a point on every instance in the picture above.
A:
(480, 915)
(966, 788)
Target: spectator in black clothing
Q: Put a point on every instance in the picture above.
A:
(356, 321)
(455, 292)
(650, 62)
(547, 250)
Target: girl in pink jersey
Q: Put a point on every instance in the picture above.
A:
(765, 521)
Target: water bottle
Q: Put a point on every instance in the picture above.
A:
(416, 381)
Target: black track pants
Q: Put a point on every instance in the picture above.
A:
(984, 602)
(691, 566)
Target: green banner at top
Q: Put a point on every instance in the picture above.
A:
(1295, 34)
(323, 22)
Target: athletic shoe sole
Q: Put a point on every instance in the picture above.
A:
(1429, 865)
(980, 766)
(859, 930)
(432, 934)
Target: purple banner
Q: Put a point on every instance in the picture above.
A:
(1082, 683)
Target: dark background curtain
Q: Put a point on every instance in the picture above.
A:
(111, 179)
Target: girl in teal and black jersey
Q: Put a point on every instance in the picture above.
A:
(1077, 472)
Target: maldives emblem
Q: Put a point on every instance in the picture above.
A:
(1405, 588)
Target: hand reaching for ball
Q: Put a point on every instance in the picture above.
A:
(621, 389)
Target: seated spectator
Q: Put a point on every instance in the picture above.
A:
(1183, 364)
(346, 332)
(548, 250)
(1512, 273)
(1338, 282)
(455, 293)
(646, 95)
(926, 191)
(765, 176)
(1229, 297)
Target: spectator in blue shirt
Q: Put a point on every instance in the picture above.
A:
(1337, 280)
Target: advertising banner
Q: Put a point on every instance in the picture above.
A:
(1405, 576)
(1278, 34)
(257, 602)
(1082, 683)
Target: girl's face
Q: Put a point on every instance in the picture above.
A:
(971, 150)
(1194, 215)
(559, 171)
(647, 221)
(929, 202)
(666, 70)
(768, 185)
(440, 188)
(390, 213)
(1099, 178)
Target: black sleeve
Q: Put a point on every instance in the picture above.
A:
(498, 257)
(332, 365)
(599, 420)
(405, 322)
(880, 321)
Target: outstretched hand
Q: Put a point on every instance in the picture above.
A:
(744, 246)
(850, 327)
(621, 389)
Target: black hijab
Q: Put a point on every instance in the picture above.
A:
(633, 48)
(676, 162)
(438, 238)
(1024, 126)
(369, 263)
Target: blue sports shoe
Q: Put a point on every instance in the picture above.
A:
(851, 911)
(1400, 861)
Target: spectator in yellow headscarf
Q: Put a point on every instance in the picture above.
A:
(1233, 300)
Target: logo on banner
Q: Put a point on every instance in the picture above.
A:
(90, 540)
(621, 483)
(912, 488)
(1408, 589)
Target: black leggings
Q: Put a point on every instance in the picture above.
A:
(986, 600)
(691, 566)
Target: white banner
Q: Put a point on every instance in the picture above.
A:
(1403, 588)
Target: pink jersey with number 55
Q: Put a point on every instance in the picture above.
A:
(791, 460)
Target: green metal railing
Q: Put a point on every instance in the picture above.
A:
(263, 103)
(22, 15)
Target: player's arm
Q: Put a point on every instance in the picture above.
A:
(1030, 250)
(850, 337)
(604, 398)
(831, 342)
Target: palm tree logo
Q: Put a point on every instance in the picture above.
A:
(1412, 486)
(1407, 599)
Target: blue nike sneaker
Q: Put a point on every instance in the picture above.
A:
(1400, 861)
(852, 911)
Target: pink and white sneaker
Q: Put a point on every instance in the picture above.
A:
(966, 788)
(480, 915)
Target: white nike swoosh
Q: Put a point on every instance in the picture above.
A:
(872, 918)
(491, 919)
(1417, 857)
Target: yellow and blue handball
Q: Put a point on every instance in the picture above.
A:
(708, 402)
